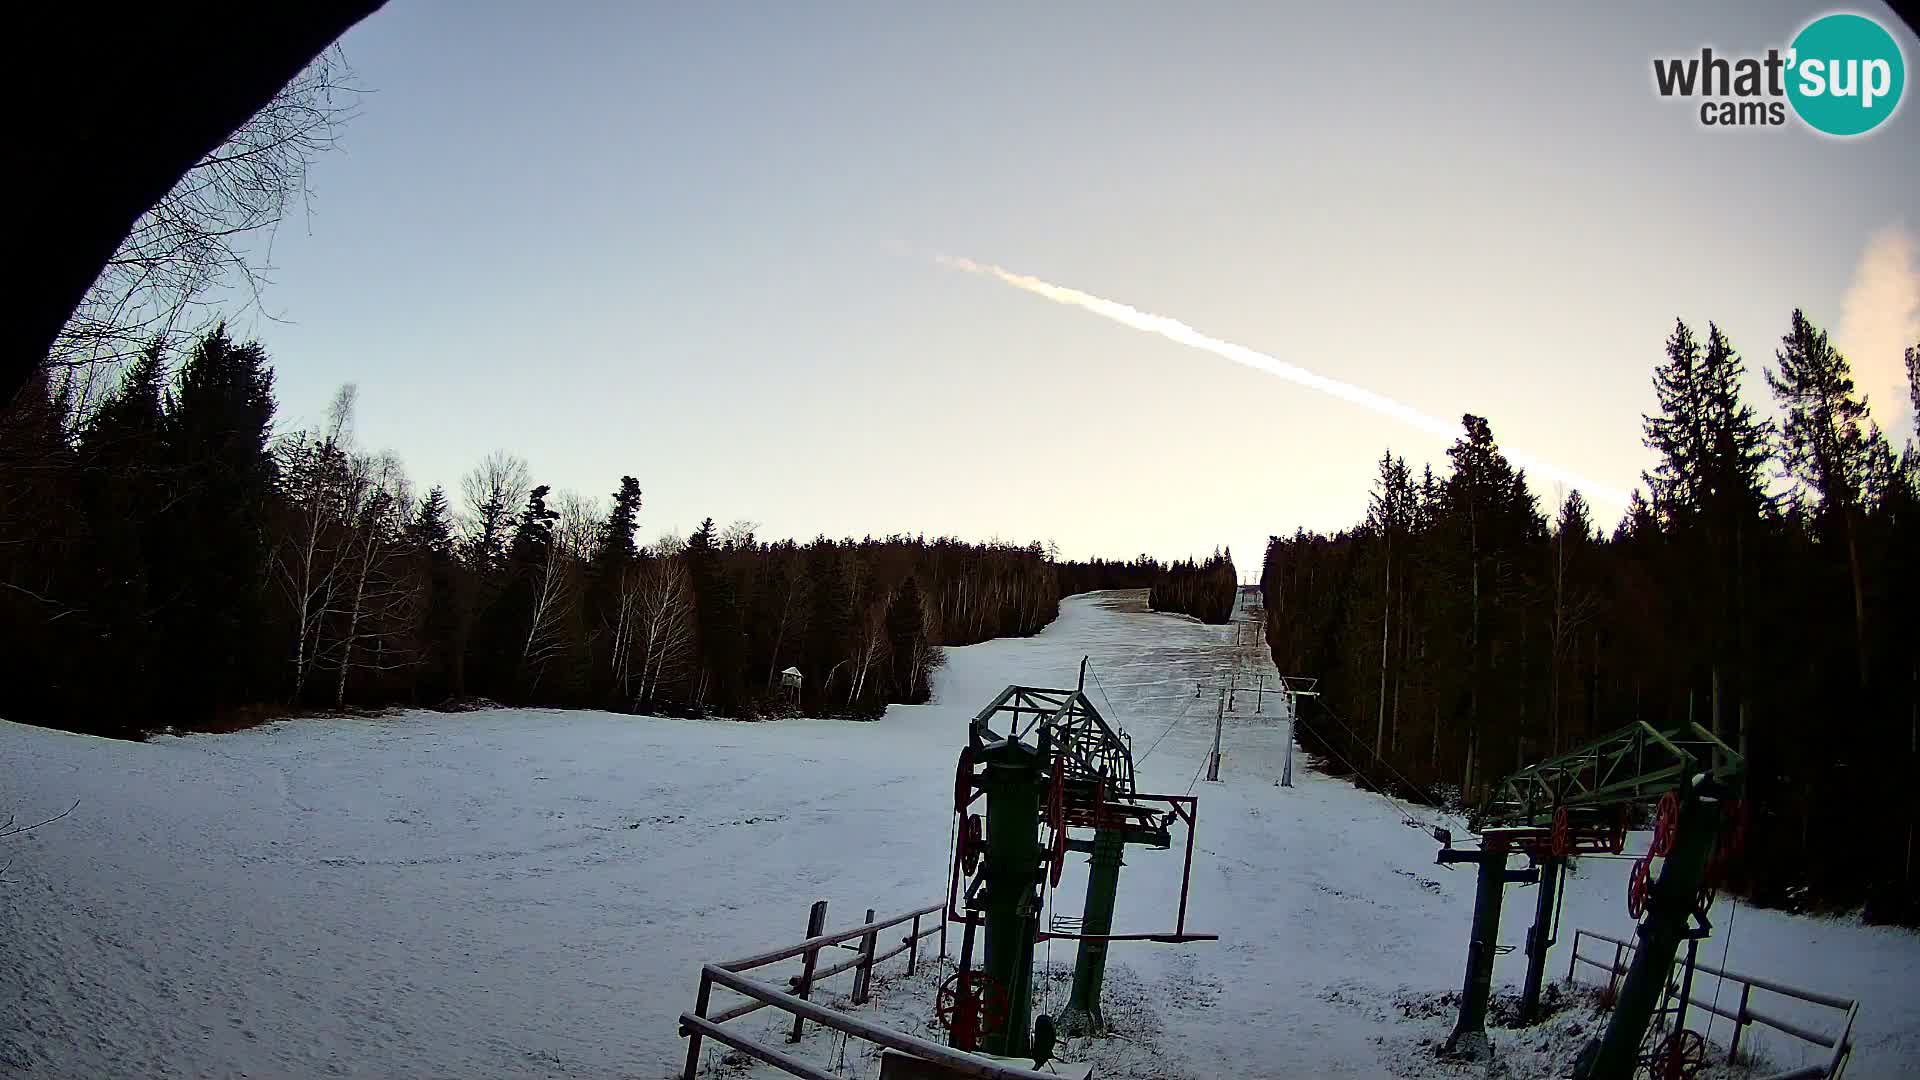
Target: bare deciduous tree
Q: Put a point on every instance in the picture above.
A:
(578, 528)
(493, 491)
(739, 536)
(213, 230)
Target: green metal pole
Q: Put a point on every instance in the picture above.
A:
(1009, 903)
(1539, 940)
(1083, 1014)
(1669, 905)
(1469, 1038)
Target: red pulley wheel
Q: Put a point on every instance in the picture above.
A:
(963, 781)
(1057, 796)
(1666, 822)
(1059, 857)
(970, 1004)
(1637, 885)
(1680, 1056)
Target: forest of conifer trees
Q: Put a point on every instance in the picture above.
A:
(1205, 590)
(169, 561)
(1764, 585)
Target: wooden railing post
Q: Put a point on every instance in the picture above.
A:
(913, 946)
(816, 925)
(1613, 975)
(1739, 1021)
(693, 1038)
(863, 971)
(1575, 951)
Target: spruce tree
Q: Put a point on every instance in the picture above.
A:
(1710, 488)
(1488, 517)
(907, 637)
(429, 535)
(830, 623)
(717, 617)
(210, 560)
(612, 599)
(616, 535)
(1825, 448)
(1390, 511)
(495, 665)
(1678, 434)
(1913, 384)
(430, 529)
(123, 485)
(46, 617)
(533, 534)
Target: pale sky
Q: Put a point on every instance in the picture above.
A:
(698, 246)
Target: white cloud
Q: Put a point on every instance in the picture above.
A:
(1879, 319)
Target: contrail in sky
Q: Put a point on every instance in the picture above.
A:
(1175, 330)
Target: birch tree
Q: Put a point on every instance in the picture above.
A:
(315, 480)
(553, 564)
(664, 632)
(380, 596)
(870, 647)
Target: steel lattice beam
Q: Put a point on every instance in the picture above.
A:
(1093, 750)
(1636, 763)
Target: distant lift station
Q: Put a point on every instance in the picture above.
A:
(1055, 778)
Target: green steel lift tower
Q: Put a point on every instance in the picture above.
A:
(1578, 802)
(1056, 769)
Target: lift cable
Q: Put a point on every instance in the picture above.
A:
(1197, 770)
(1406, 816)
(1424, 794)
(1166, 731)
(1176, 722)
(1111, 707)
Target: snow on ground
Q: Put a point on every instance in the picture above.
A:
(531, 893)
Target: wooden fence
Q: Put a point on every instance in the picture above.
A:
(757, 995)
(1742, 1013)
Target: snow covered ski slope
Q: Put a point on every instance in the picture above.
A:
(531, 893)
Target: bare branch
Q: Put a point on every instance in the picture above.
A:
(8, 830)
(213, 229)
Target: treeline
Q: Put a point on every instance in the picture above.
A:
(166, 560)
(1094, 575)
(1764, 586)
(1205, 590)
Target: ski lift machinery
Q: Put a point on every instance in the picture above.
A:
(1055, 778)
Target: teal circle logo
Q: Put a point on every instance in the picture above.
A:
(1846, 74)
